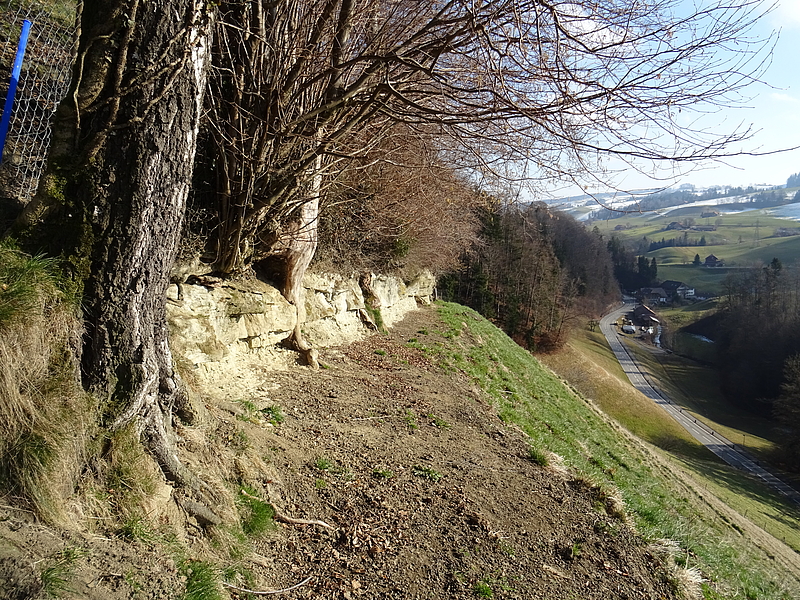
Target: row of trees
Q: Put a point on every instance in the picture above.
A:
(682, 241)
(254, 111)
(533, 274)
(631, 271)
(757, 334)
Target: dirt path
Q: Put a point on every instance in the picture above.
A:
(429, 495)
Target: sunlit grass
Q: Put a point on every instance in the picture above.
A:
(657, 497)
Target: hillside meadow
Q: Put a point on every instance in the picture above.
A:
(669, 491)
(741, 240)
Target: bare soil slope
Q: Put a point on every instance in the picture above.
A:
(427, 493)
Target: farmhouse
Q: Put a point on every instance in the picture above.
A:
(713, 261)
(652, 296)
(645, 316)
(677, 288)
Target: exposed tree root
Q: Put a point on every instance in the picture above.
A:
(266, 592)
(204, 515)
(292, 521)
(284, 519)
(297, 342)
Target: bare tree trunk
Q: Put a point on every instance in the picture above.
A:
(126, 150)
(302, 239)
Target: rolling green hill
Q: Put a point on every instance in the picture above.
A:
(741, 240)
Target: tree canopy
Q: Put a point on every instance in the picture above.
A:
(506, 89)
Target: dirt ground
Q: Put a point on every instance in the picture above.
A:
(425, 492)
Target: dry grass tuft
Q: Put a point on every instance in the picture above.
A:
(686, 580)
(41, 403)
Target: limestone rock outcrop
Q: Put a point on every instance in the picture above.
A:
(214, 321)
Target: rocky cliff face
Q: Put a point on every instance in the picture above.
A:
(214, 324)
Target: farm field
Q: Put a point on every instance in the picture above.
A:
(741, 240)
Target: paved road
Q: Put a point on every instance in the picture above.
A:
(732, 454)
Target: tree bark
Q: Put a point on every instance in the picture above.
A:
(302, 238)
(127, 146)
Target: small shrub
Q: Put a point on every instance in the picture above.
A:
(411, 420)
(573, 552)
(538, 456)
(138, 530)
(273, 414)
(238, 575)
(380, 352)
(323, 464)
(439, 422)
(380, 473)
(426, 473)
(483, 590)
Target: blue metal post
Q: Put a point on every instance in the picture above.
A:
(12, 88)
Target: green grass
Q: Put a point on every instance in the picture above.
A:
(704, 281)
(58, 573)
(138, 530)
(41, 403)
(426, 473)
(382, 473)
(256, 515)
(323, 463)
(532, 397)
(483, 590)
(273, 414)
(675, 262)
(202, 581)
(748, 497)
(538, 456)
(438, 422)
(410, 418)
(26, 283)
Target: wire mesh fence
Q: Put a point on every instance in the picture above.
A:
(43, 83)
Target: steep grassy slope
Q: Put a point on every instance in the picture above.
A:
(658, 493)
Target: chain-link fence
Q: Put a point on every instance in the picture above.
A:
(43, 83)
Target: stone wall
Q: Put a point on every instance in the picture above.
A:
(215, 322)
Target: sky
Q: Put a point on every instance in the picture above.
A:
(773, 110)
